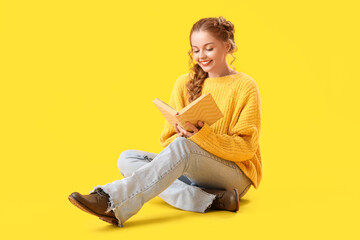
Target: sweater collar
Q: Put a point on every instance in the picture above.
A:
(223, 79)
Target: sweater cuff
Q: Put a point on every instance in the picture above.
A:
(202, 134)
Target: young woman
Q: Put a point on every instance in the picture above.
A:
(207, 168)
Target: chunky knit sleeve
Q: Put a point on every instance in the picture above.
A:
(177, 102)
(243, 139)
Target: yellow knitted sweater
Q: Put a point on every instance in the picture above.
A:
(236, 136)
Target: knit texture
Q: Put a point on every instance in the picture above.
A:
(236, 136)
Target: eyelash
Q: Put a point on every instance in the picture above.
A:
(206, 49)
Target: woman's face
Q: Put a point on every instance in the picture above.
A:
(209, 52)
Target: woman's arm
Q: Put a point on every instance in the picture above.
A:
(243, 139)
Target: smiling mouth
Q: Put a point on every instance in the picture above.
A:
(205, 63)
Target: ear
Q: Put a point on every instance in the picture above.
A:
(227, 46)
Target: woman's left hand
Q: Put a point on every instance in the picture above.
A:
(194, 128)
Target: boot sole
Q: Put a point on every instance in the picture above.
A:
(105, 218)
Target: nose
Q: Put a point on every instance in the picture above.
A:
(202, 56)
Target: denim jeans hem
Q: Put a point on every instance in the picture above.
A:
(212, 198)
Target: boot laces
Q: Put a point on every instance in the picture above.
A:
(101, 192)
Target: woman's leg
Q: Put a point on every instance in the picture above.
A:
(181, 157)
(180, 194)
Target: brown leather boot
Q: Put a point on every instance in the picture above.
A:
(224, 200)
(95, 203)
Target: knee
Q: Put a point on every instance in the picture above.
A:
(182, 143)
(124, 160)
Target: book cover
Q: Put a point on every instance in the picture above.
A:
(204, 108)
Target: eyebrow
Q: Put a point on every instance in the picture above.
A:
(204, 44)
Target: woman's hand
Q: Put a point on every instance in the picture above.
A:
(183, 133)
(179, 134)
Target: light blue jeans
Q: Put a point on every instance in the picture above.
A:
(175, 175)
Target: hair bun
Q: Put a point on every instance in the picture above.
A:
(226, 24)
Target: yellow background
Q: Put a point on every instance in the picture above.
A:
(77, 83)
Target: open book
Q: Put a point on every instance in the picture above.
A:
(204, 108)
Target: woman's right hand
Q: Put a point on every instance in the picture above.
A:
(179, 134)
